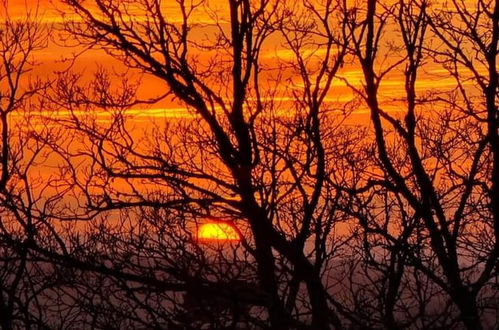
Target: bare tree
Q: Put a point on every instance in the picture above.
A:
(242, 160)
(22, 210)
(435, 162)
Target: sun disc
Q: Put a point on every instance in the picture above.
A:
(217, 231)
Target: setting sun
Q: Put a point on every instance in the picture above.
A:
(217, 231)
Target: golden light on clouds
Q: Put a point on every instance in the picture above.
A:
(55, 57)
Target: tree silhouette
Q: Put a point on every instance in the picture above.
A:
(438, 161)
(242, 159)
(23, 212)
(387, 224)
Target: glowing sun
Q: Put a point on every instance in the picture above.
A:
(218, 231)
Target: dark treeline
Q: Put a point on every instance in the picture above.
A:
(391, 222)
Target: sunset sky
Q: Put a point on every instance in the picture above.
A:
(256, 164)
(51, 59)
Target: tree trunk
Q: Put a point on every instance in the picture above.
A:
(468, 310)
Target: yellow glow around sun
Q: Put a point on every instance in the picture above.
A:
(217, 231)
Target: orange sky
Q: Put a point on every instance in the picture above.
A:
(51, 59)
